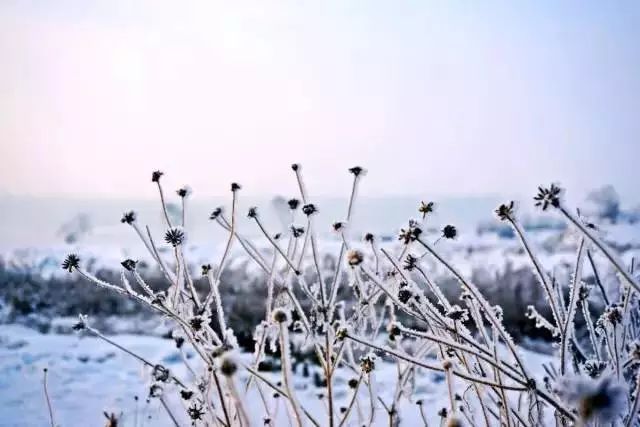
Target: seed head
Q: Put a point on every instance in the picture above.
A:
(293, 204)
(206, 268)
(357, 171)
(160, 374)
(368, 237)
(548, 197)
(228, 366)
(410, 234)
(186, 394)
(280, 315)
(155, 176)
(129, 264)
(296, 167)
(184, 191)
(449, 232)
(425, 208)
(70, 262)
(447, 364)
(174, 236)
(253, 212)
(354, 257)
(297, 231)
(215, 214)
(128, 217)
(195, 411)
(235, 187)
(367, 363)
(338, 226)
(309, 209)
(410, 262)
(505, 211)
(353, 383)
(601, 399)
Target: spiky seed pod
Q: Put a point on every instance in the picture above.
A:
(71, 262)
(548, 197)
(196, 412)
(128, 217)
(174, 236)
(280, 315)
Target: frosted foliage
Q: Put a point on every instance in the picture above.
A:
(388, 310)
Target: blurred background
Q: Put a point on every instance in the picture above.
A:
(464, 104)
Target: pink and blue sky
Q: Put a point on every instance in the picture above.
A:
(446, 97)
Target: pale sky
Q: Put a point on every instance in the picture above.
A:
(432, 97)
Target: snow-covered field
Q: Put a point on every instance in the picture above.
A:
(87, 377)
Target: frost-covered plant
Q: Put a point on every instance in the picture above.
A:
(593, 380)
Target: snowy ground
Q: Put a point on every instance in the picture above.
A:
(88, 376)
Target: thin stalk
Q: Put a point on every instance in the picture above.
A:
(46, 395)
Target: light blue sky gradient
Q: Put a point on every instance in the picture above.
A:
(433, 97)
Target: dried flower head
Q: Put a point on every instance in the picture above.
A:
(235, 187)
(458, 313)
(174, 236)
(297, 231)
(228, 366)
(410, 234)
(425, 208)
(216, 213)
(352, 383)
(354, 257)
(253, 212)
(71, 262)
(155, 390)
(129, 264)
(195, 411)
(410, 262)
(309, 209)
(184, 191)
(293, 204)
(505, 211)
(594, 368)
(296, 167)
(454, 421)
(357, 171)
(602, 399)
(449, 232)
(367, 363)
(447, 364)
(280, 315)
(155, 176)
(548, 197)
(160, 374)
(196, 323)
(128, 217)
(338, 226)
(206, 268)
(368, 237)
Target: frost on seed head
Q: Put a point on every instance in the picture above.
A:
(228, 365)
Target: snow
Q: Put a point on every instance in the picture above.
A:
(87, 376)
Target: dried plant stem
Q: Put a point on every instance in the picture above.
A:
(47, 398)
